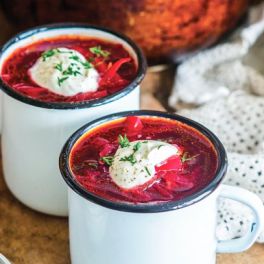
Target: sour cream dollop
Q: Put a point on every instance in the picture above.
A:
(134, 165)
(64, 71)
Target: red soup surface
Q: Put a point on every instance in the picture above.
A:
(112, 61)
(175, 179)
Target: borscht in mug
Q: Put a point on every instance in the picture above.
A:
(141, 159)
(150, 180)
(69, 68)
(54, 79)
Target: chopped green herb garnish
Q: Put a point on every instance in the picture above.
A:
(63, 51)
(123, 141)
(47, 54)
(75, 57)
(70, 71)
(147, 170)
(99, 52)
(186, 157)
(137, 146)
(160, 146)
(59, 67)
(75, 73)
(87, 65)
(131, 158)
(61, 80)
(108, 160)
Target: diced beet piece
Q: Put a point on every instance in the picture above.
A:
(133, 124)
(82, 50)
(162, 191)
(177, 182)
(172, 163)
(101, 66)
(112, 71)
(114, 84)
(106, 150)
(137, 194)
(6, 77)
(99, 142)
(32, 91)
(89, 95)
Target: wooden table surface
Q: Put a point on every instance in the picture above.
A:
(34, 238)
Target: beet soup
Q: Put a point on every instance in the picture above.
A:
(143, 159)
(68, 62)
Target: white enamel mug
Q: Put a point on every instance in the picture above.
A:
(4, 260)
(177, 232)
(34, 132)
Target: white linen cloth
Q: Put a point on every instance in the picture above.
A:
(226, 86)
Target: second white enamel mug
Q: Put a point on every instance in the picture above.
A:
(174, 232)
(34, 132)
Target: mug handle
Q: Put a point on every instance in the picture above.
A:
(251, 200)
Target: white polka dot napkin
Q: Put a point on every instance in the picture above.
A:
(226, 84)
